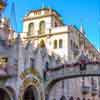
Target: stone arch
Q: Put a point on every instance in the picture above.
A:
(33, 85)
(63, 98)
(12, 92)
(51, 81)
(5, 94)
(30, 93)
(78, 98)
(83, 99)
(50, 84)
(71, 98)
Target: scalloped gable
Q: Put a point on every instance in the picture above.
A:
(41, 11)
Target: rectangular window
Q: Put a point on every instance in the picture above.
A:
(60, 43)
(55, 44)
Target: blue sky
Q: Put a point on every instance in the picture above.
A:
(75, 12)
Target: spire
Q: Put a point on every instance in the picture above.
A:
(82, 29)
(13, 17)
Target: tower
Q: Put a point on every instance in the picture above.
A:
(40, 21)
(40, 25)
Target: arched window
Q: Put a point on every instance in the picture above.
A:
(42, 44)
(60, 43)
(30, 28)
(42, 27)
(71, 98)
(78, 98)
(55, 44)
(84, 99)
(63, 98)
(30, 93)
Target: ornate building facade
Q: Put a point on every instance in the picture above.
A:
(44, 43)
(44, 27)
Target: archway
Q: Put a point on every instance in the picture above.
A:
(12, 92)
(78, 98)
(63, 98)
(30, 93)
(42, 44)
(53, 79)
(71, 98)
(4, 95)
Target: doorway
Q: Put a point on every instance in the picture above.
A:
(30, 93)
(4, 95)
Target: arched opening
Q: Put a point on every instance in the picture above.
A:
(30, 28)
(42, 44)
(71, 98)
(4, 95)
(12, 92)
(42, 27)
(63, 98)
(30, 93)
(83, 98)
(78, 98)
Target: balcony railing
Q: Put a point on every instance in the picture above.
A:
(85, 89)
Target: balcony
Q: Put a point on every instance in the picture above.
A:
(85, 89)
(94, 91)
